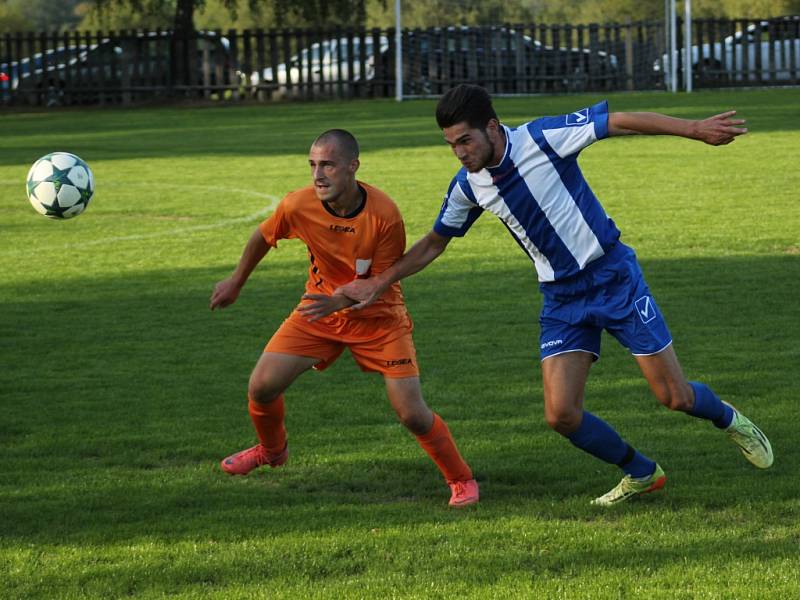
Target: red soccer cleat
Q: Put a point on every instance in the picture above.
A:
(464, 493)
(245, 461)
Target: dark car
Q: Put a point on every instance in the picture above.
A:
(499, 58)
(113, 69)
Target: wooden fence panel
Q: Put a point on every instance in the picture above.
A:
(136, 66)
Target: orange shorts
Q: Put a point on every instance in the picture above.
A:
(381, 344)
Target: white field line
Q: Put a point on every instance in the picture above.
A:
(272, 202)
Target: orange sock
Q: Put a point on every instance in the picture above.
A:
(441, 447)
(268, 420)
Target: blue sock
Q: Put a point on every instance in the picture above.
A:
(708, 406)
(596, 437)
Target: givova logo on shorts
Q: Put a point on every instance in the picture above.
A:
(552, 344)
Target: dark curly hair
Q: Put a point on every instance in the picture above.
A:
(465, 102)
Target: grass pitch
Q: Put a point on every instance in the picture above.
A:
(120, 391)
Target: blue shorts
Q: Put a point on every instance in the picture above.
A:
(611, 294)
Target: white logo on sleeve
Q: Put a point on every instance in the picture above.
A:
(646, 309)
(579, 117)
(362, 265)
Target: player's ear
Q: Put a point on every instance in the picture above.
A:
(354, 164)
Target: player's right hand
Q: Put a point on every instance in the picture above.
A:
(225, 293)
(720, 129)
(363, 291)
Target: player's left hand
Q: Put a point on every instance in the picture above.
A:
(720, 129)
(322, 305)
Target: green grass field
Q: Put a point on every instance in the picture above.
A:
(120, 391)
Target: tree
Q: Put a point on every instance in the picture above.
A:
(182, 10)
(12, 19)
(37, 15)
(302, 12)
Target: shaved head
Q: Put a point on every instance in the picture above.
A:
(343, 140)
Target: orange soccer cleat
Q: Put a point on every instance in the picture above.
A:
(245, 461)
(464, 493)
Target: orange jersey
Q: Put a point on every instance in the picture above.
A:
(341, 249)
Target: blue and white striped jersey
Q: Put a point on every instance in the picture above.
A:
(540, 194)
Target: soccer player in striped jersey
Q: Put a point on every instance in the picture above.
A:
(529, 177)
(351, 230)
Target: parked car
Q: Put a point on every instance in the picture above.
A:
(107, 69)
(313, 68)
(34, 75)
(510, 60)
(439, 57)
(776, 43)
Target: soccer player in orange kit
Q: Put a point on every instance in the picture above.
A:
(351, 230)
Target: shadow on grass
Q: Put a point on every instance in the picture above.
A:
(261, 130)
(121, 394)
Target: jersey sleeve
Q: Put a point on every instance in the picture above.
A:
(459, 210)
(390, 248)
(277, 226)
(568, 134)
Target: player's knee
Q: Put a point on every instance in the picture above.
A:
(675, 397)
(263, 390)
(417, 422)
(563, 421)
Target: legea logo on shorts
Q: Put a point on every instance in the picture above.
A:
(646, 309)
(398, 361)
(552, 344)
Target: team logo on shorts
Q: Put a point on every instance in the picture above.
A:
(551, 344)
(398, 362)
(646, 309)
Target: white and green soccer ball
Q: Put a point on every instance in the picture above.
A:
(60, 185)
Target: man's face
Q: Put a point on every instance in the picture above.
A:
(331, 173)
(474, 147)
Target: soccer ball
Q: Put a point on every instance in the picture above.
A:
(60, 185)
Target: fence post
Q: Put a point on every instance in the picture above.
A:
(628, 55)
(125, 68)
(206, 62)
(594, 45)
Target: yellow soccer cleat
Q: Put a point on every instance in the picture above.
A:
(751, 440)
(630, 487)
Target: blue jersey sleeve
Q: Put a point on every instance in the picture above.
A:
(459, 210)
(568, 134)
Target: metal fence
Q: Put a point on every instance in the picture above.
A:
(129, 67)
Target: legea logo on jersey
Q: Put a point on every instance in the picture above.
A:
(646, 309)
(343, 229)
(579, 117)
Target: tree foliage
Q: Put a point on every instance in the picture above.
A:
(281, 12)
(27, 15)
(38, 15)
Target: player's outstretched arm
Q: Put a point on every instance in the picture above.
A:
(717, 130)
(322, 305)
(227, 291)
(421, 254)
